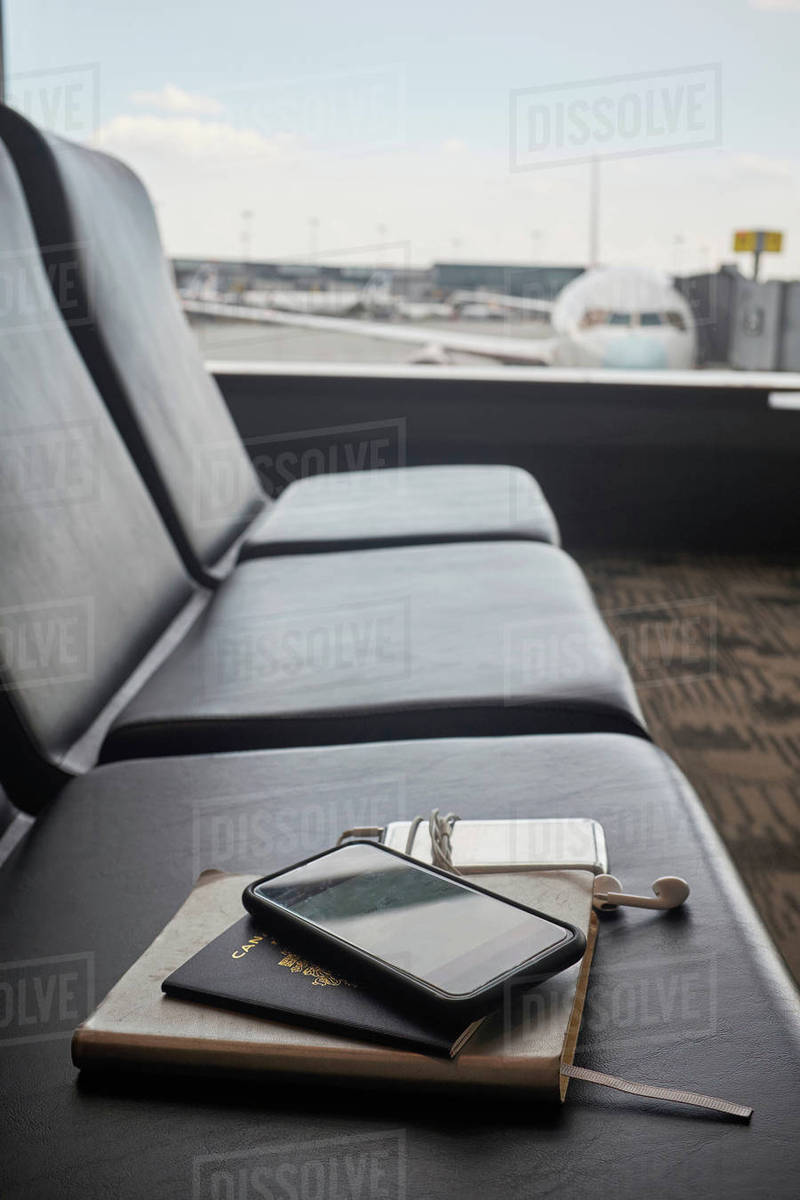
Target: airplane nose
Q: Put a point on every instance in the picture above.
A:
(641, 352)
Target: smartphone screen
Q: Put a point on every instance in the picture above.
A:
(427, 925)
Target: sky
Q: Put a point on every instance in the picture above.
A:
(418, 132)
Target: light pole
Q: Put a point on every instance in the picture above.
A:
(247, 241)
(594, 211)
(247, 234)
(678, 243)
(313, 232)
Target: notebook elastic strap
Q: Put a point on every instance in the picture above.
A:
(674, 1095)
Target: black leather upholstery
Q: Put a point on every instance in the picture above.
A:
(134, 339)
(362, 509)
(146, 365)
(413, 641)
(7, 812)
(501, 637)
(88, 575)
(695, 999)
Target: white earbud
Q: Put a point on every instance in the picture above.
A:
(670, 892)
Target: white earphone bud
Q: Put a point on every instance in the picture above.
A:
(670, 892)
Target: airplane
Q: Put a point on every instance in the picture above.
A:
(607, 317)
(623, 317)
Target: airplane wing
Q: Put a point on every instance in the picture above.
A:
(512, 350)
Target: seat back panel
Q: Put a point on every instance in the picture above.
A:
(90, 578)
(135, 341)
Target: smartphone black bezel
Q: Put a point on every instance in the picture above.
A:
(361, 966)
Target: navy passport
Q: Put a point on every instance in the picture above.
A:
(247, 969)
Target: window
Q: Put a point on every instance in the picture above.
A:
(593, 317)
(441, 176)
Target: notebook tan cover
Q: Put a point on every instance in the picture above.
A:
(520, 1046)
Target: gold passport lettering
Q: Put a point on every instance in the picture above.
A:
(240, 951)
(318, 975)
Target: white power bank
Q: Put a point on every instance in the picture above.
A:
(569, 843)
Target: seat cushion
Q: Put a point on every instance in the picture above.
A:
(498, 637)
(695, 999)
(412, 505)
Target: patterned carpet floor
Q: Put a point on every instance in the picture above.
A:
(714, 648)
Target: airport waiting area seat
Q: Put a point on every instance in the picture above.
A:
(377, 644)
(245, 726)
(465, 638)
(695, 998)
(96, 226)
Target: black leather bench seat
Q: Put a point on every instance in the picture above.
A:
(502, 637)
(302, 649)
(696, 999)
(404, 506)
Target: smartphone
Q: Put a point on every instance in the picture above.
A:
(426, 939)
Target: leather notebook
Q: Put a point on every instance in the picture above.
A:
(522, 1045)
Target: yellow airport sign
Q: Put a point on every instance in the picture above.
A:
(757, 241)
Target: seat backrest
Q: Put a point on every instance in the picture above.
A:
(123, 311)
(89, 577)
